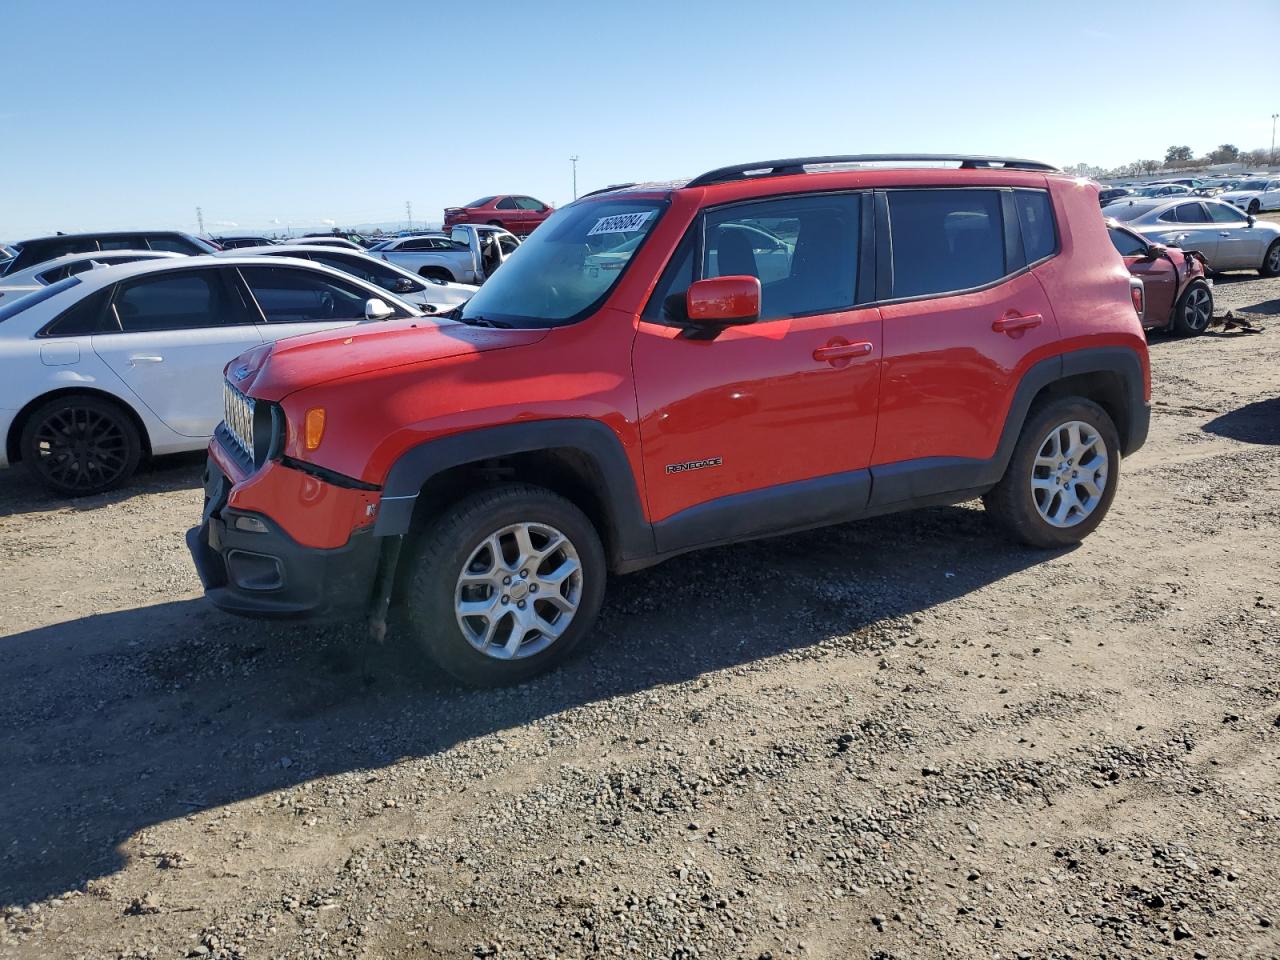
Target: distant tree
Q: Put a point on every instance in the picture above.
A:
(1149, 166)
(1226, 153)
(1177, 154)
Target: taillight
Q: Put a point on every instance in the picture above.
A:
(1136, 294)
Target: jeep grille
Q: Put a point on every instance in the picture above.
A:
(237, 416)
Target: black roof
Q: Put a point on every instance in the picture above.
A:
(95, 234)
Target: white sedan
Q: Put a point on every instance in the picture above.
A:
(51, 271)
(432, 295)
(104, 367)
(1254, 195)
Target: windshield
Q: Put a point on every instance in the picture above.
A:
(1125, 210)
(1252, 185)
(567, 266)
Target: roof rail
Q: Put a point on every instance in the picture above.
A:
(786, 168)
(608, 189)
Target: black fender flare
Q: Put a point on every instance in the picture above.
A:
(597, 442)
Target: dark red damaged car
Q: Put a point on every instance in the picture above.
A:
(1179, 298)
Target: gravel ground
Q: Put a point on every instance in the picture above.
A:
(901, 738)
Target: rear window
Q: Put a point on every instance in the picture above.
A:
(13, 306)
(1128, 210)
(945, 240)
(481, 202)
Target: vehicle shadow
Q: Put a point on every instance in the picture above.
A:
(119, 721)
(20, 493)
(1257, 422)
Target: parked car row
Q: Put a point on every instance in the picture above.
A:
(1227, 237)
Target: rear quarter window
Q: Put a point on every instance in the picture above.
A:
(14, 306)
(1035, 220)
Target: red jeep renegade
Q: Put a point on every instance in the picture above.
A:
(659, 368)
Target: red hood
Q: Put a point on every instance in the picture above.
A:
(275, 370)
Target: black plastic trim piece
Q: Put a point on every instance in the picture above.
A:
(783, 508)
(327, 475)
(633, 534)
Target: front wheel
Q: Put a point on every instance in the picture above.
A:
(1271, 262)
(505, 584)
(1254, 208)
(1194, 310)
(1062, 476)
(76, 445)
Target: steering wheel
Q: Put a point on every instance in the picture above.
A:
(328, 306)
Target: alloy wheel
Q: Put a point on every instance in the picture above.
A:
(81, 449)
(1069, 474)
(518, 591)
(1197, 310)
(1273, 258)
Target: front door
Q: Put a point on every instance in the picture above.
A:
(175, 331)
(1159, 281)
(1189, 226)
(727, 423)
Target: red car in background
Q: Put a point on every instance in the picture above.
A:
(1178, 297)
(514, 212)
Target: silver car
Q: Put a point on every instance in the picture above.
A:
(1227, 237)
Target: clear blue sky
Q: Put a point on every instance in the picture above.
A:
(132, 112)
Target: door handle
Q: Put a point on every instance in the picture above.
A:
(1223, 233)
(839, 350)
(1013, 323)
(138, 358)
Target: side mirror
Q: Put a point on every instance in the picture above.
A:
(1252, 219)
(375, 309)
(1154, 251)
(403, 285)
(722, 302)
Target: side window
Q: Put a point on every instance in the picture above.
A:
(804, 251)
(416, 245)
(122, 243)
(1035, 218)
(290, 295)
(528, 203)
(1192, 213)
(508, 244)
(369, 271)
(1126, 244)
(1223, 213)
(56, 274)
(61, 248)
(170, 244)
(81, 319)
(507, 203)
(945, 240)
(175, 301)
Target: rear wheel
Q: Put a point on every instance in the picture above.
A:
(1062, 476)
(505, 584)
(78, 445)
(1194, 310)
(1271, 262)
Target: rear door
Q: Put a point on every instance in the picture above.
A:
(963, 320)
(510, 214)
(294, 301)
(169, 336)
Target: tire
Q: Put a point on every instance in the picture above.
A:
(1271, 261)
(1016, 505)
(76, 445)
(436, 273)
(1254, 208)
(460, 542)
(495, 223)
(1193, 311)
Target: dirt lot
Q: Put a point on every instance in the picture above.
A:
(902, 738)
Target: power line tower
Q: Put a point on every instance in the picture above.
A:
(200, 218)
(408, 210)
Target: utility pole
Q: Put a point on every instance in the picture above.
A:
(1273, 138)
(408, 210)
(200, 213)
(574, 161)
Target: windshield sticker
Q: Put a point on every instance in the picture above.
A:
(621, 223)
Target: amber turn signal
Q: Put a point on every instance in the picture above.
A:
(314, 428)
